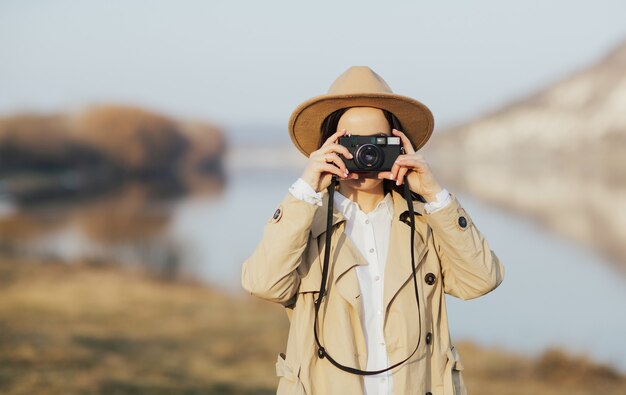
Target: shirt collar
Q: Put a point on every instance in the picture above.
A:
(400, 209)
(349, 208)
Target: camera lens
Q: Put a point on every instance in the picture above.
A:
(369, 156)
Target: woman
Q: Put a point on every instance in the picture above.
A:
(369, 317)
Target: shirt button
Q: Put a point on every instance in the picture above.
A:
(371, 250)
(382, 380)
(382, 343)
(379, 312)
(377, 278)
(367, 221)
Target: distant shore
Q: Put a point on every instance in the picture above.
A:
(65, 155)
(78, 328)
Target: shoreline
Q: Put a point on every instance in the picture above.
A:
(76, 328)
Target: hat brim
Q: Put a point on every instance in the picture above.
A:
(305, 123)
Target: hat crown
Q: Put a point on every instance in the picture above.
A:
(359, 79)
(358, 86)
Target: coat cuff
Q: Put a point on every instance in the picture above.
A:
(442, 200)
(450, 218)
(297, 211)
(303, 191)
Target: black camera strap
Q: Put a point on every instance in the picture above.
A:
(321, 351)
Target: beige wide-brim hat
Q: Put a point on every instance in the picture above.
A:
(359, 86)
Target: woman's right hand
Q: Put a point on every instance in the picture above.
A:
(321, 165)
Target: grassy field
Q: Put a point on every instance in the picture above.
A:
(80, 329)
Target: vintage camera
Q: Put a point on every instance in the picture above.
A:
(371, 153)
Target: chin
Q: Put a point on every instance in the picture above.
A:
(365, 182)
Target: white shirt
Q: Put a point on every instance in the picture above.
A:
(369, 232)
(303, 191)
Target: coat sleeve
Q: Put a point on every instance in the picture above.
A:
(469, 267)
(270, 272)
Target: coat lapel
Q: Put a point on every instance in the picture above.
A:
(398, 268)
(344, 255)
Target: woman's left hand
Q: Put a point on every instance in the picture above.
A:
(421, 179)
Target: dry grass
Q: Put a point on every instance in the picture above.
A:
(77, 329)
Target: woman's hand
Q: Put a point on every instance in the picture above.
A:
(421, 179)
(325, 162)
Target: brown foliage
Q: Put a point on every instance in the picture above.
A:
(112, 138)
(132, 138)
(39, 142)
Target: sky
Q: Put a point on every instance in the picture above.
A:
(248, 64)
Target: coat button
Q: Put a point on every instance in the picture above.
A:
(429, 393)
(277, 214)
(430, 279)
(429, 337)
(462, 221)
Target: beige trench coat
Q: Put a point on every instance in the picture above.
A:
(451, 256)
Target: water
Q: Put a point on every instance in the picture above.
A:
(217, 235)
(554, 293)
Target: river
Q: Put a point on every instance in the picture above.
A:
(554, 292)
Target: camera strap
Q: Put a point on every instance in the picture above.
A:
(321, 351)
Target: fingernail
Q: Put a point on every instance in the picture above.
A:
(346, 173)
(397, 182)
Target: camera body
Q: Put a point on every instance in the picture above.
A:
(371, 153)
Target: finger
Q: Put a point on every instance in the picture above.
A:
(329, 168)
(394, 170)
(334, 158)
(401, 173)
(417, 164)
(339, 149)
(396, 166)
(413, 156)
(385, 175)
(406, 143)
(334, 137)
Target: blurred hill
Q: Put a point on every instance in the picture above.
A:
(557, 156)
(102, 145)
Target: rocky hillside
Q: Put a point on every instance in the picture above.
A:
(558, 156)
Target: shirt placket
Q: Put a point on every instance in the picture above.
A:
(377, 290)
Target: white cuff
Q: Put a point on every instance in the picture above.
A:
(443, 199)
(303, 191)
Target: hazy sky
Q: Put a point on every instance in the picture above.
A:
(253, 62)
